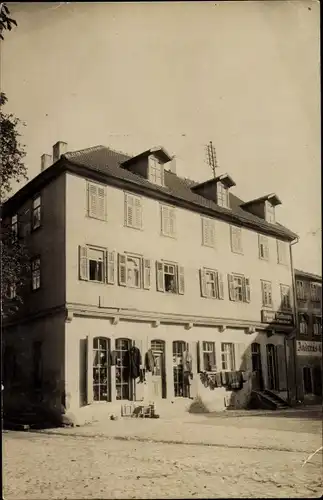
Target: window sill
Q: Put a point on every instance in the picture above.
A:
(236, 252)
(264, 259)
(134, 227)
(94, 281)
(209, 246)
(97, 218)
(172, 236)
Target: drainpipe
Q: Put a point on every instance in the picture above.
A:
(296, 323)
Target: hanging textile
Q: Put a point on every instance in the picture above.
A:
(134, 362)
(149, 360)
(187, 361)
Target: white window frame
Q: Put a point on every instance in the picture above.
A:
(282, 252)
(263, 246)
(236, 239)
(317, 325)
(227, 356)
(102, 252)
(168, 220)
(270, 212)
(209, 349)
(211, 276)
(144, 270)
(223, 199)
(303, 324)
(138, 260)
(12, 291)
(208, 232)
(35, 273)
(96, 201)
(109, 267)
(36, 212)
(14, 226)
(286, 298)
(315, 292)
(300, 290)
(133, 211)
(156, 171)
(266, 293)
(239, 281)
(178, 282)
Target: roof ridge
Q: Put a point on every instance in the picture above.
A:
(79, 152)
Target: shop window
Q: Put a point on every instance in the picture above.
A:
(181, 387)
(101, 369)
(123, 383)
(307, 380)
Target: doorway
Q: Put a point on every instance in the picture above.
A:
(124, 389)
(257, 378)
(159, 373)
(181, 386)
(272, 368)
(101, 369)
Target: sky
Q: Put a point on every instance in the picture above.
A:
(130, 76)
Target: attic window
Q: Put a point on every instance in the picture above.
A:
(270, 212)
(222, 195)
(156, 171)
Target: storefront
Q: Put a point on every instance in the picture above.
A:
(309, 360)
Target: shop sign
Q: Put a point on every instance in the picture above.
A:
(277, 317)
(309, 348)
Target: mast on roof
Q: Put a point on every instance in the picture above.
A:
(211, 157)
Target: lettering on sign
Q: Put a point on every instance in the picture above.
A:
(278, 317)
(309, 348)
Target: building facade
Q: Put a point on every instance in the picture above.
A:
(147, 286)
(309, 336)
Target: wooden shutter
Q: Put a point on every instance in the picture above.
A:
(89, 369)
(122, 269)
(236, 242)
(231, 287)
(241, 361)
(181, 280)
(246, 289)
(110, 267)
(138, 212)
(172, 221)
(83, 263)
(160, 277)
(146, 273)
(199, 356)
(282, 369)
(203, 283)
(266, 248)
(92, 199)
(165, 219)
(220, 286)
(129, 210)
(204, 231)
(101, 202)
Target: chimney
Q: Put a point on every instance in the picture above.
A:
(45, 162)
(172, 165)
(59, 149)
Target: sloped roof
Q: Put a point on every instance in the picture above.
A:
(105, 163)
(271, 196)
(304, 274)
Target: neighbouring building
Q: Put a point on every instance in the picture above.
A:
(309, 336)
(147, 286)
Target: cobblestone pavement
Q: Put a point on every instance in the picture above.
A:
(39, 466)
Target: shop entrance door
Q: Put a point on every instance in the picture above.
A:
(181, 388)
(257, 378)
(272, 367)
(158, 377)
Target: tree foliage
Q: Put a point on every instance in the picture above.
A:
(6, 22)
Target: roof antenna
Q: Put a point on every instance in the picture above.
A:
(211, 157)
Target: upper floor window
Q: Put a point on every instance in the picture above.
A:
(227, 356)
(96, 200)
(222, 195)
(211, 284)
(12, 291)
(208, 232)
(35, 273)
(36, 215)
(270, 212)
(303, 324)
(281, 252)
(170, 278)
(300, 290)
(97, 264)
(263, 246)
(168, 221)
(133, 211)
(267, 299)
(134, 271)
(285, 293)
(156, 171)
(239, 288)
(317, 325)
(14, 226)
(315, 292)
(236, 239)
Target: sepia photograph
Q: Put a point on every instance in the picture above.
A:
(161, 250)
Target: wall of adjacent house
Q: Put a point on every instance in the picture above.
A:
(185, 249)
(79, 343)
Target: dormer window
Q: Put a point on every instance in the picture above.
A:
(222, 195)
(270, 212)
(156, 171)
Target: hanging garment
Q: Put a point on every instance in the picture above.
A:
(187, 361)
(186, 379)
(134, 362)
(142, 375)
(218, 379)
(149, 360)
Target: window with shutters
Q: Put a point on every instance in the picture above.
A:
(270, 212)
(303, 323)
(300, 290)
(97, 264)
(156, 171)
(170, 278)
(267, 299)
(96, 200)
(236, 239)
(208, 232)
(35, 273)
(227, 356)
(211, 284)
(263, 247)
(222, 195)
(315, 292)
(285, 293)
(317, 325)
(281, 252)
(239, 288)
(133, 211)
(168, 221)
(134, 271)
(209, 362)
(36, 212)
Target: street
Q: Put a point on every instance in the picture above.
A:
(89, 463)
